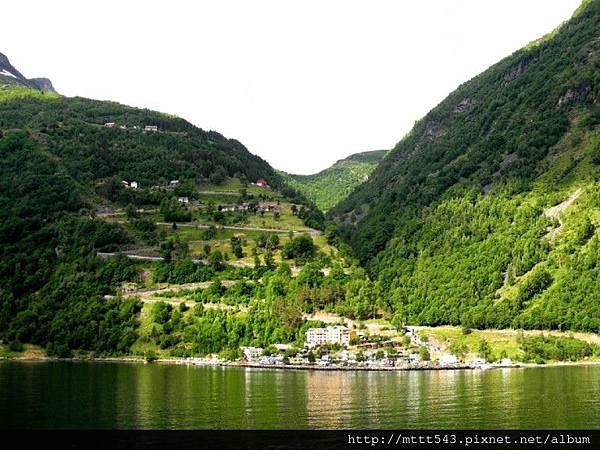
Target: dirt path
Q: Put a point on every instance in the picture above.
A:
(310, 231)
(556, 211)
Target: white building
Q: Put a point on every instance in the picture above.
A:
(448, 360)
(109, 125)
(174, 182)
(183, 199)
(475, 362)
(252, 353)
(330, 335)
(134, 184)
(150, 128)
(233, 208)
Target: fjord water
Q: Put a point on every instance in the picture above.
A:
(111, 395)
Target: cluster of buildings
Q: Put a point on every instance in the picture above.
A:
(233, 208)
(135, 127)
(245, 207)
(350, 354)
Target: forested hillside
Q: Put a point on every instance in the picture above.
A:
(487, 212)
(65, 160)
(330, 186)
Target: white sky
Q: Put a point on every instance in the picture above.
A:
(300, 83)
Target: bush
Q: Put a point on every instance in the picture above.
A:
(15, 346)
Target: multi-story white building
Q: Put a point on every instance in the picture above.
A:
(330, 335)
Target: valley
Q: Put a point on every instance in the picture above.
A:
(129, 234)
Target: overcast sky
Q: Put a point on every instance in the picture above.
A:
(300, 83)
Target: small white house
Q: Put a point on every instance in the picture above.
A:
(109, 125)
(183, 199)
(476, 362)
(449, 360)
(174, 182)
(414, 358)
(134, 185)
(150, 128)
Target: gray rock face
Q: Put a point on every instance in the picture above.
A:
(10, 73)
(518, 69)
(577, 95)
(465, 105)
(44, 84)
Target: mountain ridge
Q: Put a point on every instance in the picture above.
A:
(430, 224)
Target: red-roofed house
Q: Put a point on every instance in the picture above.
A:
(262, 183)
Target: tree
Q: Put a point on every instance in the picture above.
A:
(269, 260)
(174, 249)
(485, 350)
(272, 242)
(161, 312)
(424, 353)
(173, 211)
(215, 260)
(236, 247)
(301, 248)
(131, 212)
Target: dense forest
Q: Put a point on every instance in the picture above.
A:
(456, 222)
(330, 186)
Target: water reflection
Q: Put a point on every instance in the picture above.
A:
(99, 395)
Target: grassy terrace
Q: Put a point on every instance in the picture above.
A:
(500, 341)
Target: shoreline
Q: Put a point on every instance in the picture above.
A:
(245, 365)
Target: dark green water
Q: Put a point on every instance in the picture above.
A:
(109, 395)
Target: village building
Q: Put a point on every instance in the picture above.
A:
(262, 183)
(252, 353)
(282, 347)
(449, 360)
(269, 208)
(150, 128)
(475, 362)
(183, 199)
(174, 182)
(330, 335)
(127, 184)
(414, 358)
(233, 208)
(109, 125)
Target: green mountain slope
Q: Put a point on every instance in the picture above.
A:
(60, 162)
(487, 212)
(328, 187)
